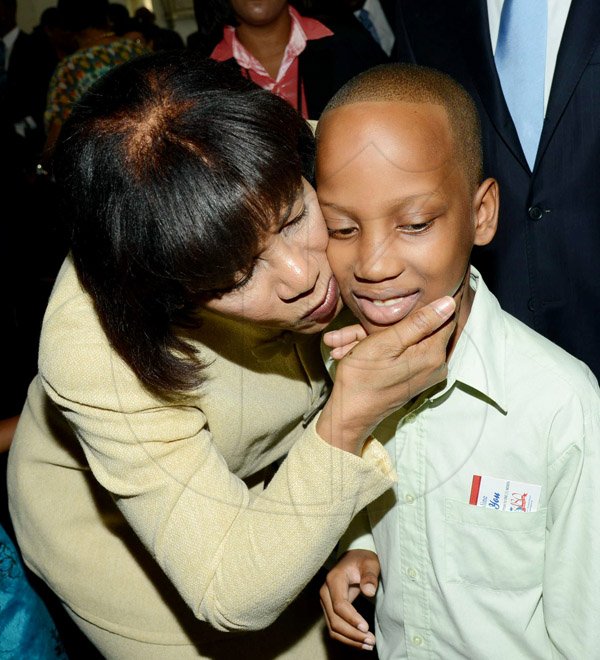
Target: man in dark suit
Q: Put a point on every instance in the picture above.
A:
(30, 60)
(543, 264)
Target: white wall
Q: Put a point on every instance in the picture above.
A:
(29, 12)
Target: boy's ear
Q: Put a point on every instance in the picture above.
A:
(486, 204)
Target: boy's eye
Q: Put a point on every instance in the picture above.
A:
(341, 232)
(416, 228)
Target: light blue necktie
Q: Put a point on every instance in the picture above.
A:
(521, 64)
(365, 18)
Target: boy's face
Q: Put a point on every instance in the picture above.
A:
(401, 215)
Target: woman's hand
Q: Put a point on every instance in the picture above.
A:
(356, 573)
(342, 341)
(381, 372)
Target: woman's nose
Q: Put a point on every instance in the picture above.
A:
(299, 270)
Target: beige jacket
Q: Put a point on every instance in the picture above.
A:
(110, 488)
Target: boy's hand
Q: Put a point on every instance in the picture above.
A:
(357, 572)
(344, 340)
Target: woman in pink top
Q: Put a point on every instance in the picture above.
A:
(294, 56)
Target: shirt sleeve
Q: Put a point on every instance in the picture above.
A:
(237, 557)
(571, 571)
(358, 535)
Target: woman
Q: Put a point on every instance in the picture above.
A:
(97, 49)
(294, 56)
(171, 477)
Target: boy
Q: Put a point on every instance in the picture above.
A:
(488, 544)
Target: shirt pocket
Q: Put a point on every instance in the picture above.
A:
(501, 550)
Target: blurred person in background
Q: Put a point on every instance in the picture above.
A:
(98, 49)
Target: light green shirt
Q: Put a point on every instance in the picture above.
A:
(463, 581)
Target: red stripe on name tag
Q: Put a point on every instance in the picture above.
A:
(475, 489)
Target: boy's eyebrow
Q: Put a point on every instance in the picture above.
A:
(394, 204)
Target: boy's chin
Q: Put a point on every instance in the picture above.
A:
(370, 327)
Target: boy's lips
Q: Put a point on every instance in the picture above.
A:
(380, 309)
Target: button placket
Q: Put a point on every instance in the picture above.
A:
(411, 466)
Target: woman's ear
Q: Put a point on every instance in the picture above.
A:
(486, 203)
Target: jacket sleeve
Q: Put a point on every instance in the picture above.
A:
(237, 557)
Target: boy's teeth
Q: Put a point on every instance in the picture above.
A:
(386, 303)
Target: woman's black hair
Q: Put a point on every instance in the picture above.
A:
(172, 170)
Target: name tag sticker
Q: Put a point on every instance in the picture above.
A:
(504, 494)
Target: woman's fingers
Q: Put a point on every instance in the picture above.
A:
(344, 336)
(422, 323)
(340, 352)
(409, 331)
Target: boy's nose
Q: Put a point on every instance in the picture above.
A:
(377, 261)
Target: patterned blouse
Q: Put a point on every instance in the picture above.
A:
(76, 73)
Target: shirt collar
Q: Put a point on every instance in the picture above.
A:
(303, 29)
(478, 361)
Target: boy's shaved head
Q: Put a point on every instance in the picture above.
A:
(411, 83)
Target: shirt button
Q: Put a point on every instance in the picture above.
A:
(409, 499)
(531, 304)
(417, 640)
(410, 418)
(536, 213)
(412, 573)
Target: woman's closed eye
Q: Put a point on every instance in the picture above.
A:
(294, 222)
(245, 278)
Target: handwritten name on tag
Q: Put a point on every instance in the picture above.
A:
(504, 494)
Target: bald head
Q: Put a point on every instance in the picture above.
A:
(409, 83)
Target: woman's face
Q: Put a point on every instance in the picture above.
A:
(258, 12)
(291, 286)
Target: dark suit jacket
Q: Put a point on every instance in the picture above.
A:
(544, 264)
(327, 63)
(32, 62)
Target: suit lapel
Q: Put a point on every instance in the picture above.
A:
(479, 57)
(581, 37)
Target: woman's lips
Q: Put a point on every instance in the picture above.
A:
(328, 305)
(386, 311)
